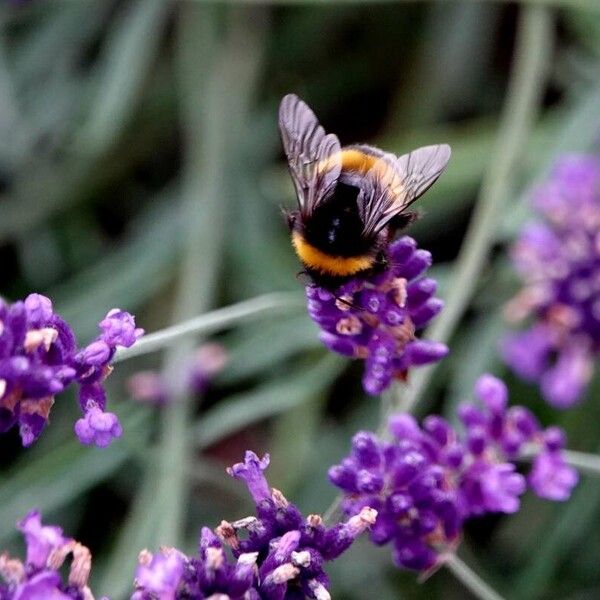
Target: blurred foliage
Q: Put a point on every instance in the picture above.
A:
(140, 135)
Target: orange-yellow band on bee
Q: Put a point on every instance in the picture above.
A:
(352, 160)
(340, 266)
(357, 161)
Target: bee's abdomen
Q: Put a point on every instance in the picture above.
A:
(315, 259)
(336, 227)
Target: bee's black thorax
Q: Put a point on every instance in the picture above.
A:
(335, 227)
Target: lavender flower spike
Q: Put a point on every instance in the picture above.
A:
(429, 479)
(39, 577)
(149, 387)
(558, 260)
(294, 548)
(170, 575)
(375, 319)
(39, 359)
(280, 557)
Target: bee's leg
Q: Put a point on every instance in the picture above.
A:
(381, 260)
(401, 221)
(304, 278)
(291, 217)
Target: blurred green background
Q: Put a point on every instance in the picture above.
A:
(140, 167)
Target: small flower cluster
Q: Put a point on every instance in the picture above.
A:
(428, 480)
(39, 358)
(376, 318)
(40, 577)
(281, 556)
(149, 387)
(559, 262)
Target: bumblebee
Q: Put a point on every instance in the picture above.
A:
(351, 200)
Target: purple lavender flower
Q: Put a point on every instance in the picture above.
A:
(429, 479)
(376, 318)
(159, 575)
(278, 554)
(207, 361)
(148, 387)
(558, 260)
(39, 359)
(170, 575)
(39, 577)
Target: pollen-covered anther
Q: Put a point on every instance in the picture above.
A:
(405, 332)
(363, 520)
(563, 316)
(437, 537)
(107, 371)
(10, 401)
(314, 520)
(145, 557)
(248, 559)
(400, 293)
(370, 319)
(344, 302)
(214, 558)
(11, 569)
(226, 532)
(2, 387)
(318, 590)
(87, 593)
(349, 326)
(282, 574)
(219, 597)
(35, 338)
(248, 523)
(361, 352)
(39, 407)
(279, 499)
(81, 565)
(524, 303)
(301, 559)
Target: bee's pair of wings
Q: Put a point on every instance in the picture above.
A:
(315, 162)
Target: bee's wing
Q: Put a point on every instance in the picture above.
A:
(314, 157)
(391, 189)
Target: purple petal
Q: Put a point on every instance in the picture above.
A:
(251, 472)
(551, 477)
(41, 539)
(118, 328)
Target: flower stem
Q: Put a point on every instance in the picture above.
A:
(525, 88)
(477, 586)
(204, 218)
(210, 322)
(584, 462)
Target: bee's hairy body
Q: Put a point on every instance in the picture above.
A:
(330, 244)
(351, 200)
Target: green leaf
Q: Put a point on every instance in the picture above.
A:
(271, 399)
(129, 53)
(63, 473)
(128, 275)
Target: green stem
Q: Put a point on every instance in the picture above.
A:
(477, 586)
(215, 101)
(216, 320)
(534, 39)
(584, 462)
(204, 222)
